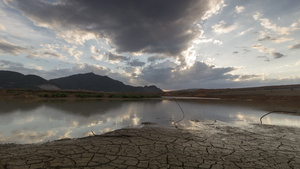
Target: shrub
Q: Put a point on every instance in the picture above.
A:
(99, 95)
(59, 95)
(43, 95)
(114, 96)
(85, 95)
(133, 96)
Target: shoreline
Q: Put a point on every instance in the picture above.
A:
(215, 145)
(263, 94)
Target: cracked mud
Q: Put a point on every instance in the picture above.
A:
(214, 146)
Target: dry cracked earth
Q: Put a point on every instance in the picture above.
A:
(213, 146)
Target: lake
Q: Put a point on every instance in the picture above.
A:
(25, 121)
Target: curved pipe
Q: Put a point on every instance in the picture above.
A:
(289, 112)
(183, 114)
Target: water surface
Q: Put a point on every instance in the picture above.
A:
(32, 122)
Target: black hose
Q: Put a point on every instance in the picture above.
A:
(183, 114)
(274, 112)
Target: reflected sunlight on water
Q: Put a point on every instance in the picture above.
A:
(32, 122)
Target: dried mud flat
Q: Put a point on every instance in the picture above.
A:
(213, 146)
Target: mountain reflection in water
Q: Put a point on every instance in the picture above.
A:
(31, 122)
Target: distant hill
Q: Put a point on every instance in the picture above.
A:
(9, 79)
(93, 82)
(280, 92)
(88, 81)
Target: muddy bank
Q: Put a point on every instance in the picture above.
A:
(214, 145)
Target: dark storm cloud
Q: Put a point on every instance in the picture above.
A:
(246, 51)
(136, 63)
(7, 64)
(264, 57)
(9, 48)
(266, 38)
(155, 58)
(153, 26)
(277, 55)
(115, 57)
(12, 49)
(198, 74)
(52, 54)
(297, 46)
(152, 75)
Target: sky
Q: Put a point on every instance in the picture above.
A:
(173, 44)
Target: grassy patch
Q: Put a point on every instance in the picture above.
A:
(86, 95)
(14, 92)
(134, 96)
(59, 95)
(44, 95)
(54, 95)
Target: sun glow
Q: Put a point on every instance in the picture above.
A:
(190, 56)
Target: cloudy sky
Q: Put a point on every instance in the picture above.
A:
(174, 44)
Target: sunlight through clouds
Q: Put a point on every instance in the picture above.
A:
(132, 47)
(190, 56)
(222, 27)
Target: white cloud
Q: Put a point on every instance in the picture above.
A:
(2, 13)
(211, 40)
(270, 51)
(297, 46)
(266, 23)
(244, 32)
(2, 27)
(223, 28)
(94, 51)
(294, 25)
(239, 9)
(76, 36)
(281, 39)
(72, 51)
(215, 8)
(50, 50)
(257, 15)
(261, 48)
(269, 25)
(276, 40)
(96, 55)
(246, 77)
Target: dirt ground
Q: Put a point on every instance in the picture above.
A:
(213, 145)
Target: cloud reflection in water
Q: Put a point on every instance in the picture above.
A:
(33, 122)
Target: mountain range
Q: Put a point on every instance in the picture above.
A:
(87, 81)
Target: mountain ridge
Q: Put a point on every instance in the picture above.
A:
(10, 79)
(85, 81)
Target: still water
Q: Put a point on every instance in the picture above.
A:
(32, 122)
